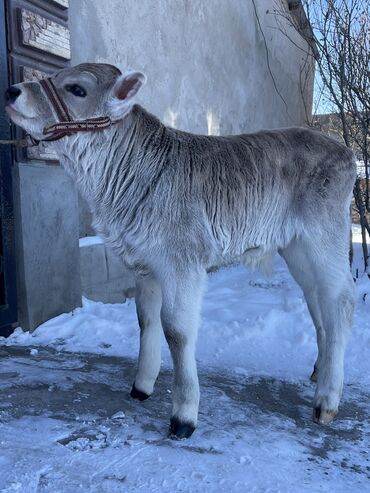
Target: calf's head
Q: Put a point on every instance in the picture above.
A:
(89, 90)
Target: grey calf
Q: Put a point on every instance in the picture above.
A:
(173, 204)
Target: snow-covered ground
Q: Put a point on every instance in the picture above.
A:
(68, 425)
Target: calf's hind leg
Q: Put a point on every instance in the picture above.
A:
(296, 260)
(148, 307)
(324, 275)
(337, 301)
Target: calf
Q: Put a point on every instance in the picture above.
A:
(173, 204)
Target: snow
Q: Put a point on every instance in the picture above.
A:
(90, 240)
(67, 424)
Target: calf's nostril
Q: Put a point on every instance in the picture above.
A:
(12, 93)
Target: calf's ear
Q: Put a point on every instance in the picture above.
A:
(123, 93)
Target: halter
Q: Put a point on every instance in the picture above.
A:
(65, 126)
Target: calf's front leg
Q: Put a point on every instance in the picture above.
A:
(148, 307)
(180, 319)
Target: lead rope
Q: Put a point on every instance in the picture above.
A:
(27, 141)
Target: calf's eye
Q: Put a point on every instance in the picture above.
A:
(76, 90)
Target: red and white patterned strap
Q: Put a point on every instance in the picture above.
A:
(90, 125)
(58, 105)
(67, 126)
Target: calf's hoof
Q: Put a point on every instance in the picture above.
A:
(180, 429)
(138, 394)
(323, 416)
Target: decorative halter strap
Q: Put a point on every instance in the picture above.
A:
(58, 105)
(65, 126)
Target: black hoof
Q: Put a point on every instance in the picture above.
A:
(323, 417)
(179, 430)
(138, 394)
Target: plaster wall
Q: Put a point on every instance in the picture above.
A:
(206, 61)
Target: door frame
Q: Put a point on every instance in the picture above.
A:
(8, 311)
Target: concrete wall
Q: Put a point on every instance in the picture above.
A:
(45, 203)
(103, 275)
(85, 218)
(205, 59)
